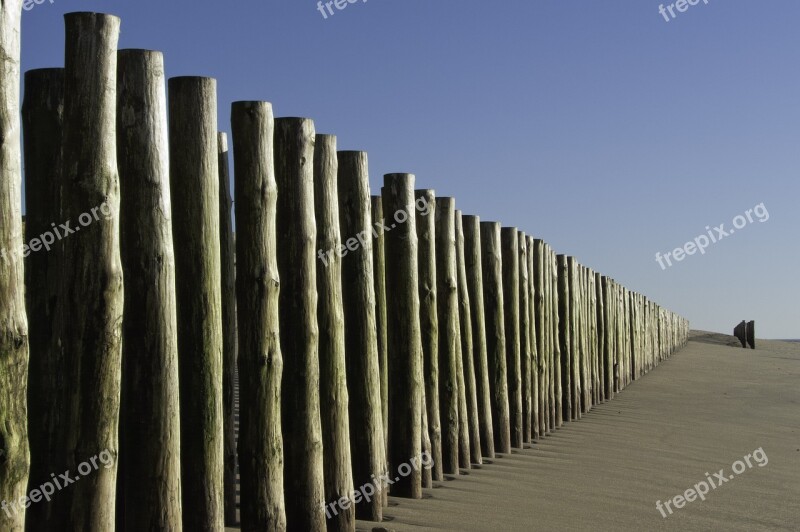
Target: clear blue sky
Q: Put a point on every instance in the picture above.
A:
(597, 126)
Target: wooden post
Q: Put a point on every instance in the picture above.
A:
(467, 345)
(491, 255)
(92, 289)
(750, 331)
(565, 337)
(194, 166)
(474, 271)
(449, 331)
(404, 337)
(555, 389)
(525, 339)
(540, 305)
(429, 326)
(43, 119)
(379, 272)
(533, 332)
(602, 338)
(368, 449)
(260, 360)
(511, 312)
(227, 248)
(336, 461)
(303, 481)
(149, 495)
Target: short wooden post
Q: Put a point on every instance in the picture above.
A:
(404, 337)
(194, 166)
(751, 334)
(260, 361)
(491, 256)
(474, 271)
(43, 120)
(333, 380)
(92, 289)
(297, 235)
(449, 331)
(149, 490)
(368, 449)
(511, 312)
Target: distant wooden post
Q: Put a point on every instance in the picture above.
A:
(525, 339)
(92, 289)
(404, 338)
(565, 339)
(149, 490)
(474, 271)
(368, 449)
(533, 334)
(429, 325)
(751, 334)
(332, 367)
(740, 332)
(228, 267)
(449, 331)
(194, 166)
(511, 312)
(260, 361)
(491, 256)
(379, 272)
(467, 346)
(602, 338)
(43, 120)
(297, 235)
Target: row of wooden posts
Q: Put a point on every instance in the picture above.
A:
(444, 334)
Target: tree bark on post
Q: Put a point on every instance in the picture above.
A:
(541, 305)
(449, 331)
(491, 255)
(467, 349)
(510, 260)
(332, 368)
(297, 236)
(194, 166)
(150, 460)
(404, 337)
(379, 272)
(228, 268)
(92, 289)
(533, 334)
(564, 330)
(554, 387)
(474, 271)
(429, 325)
(260, 361)
(14, 450)
(525, 339)
(43, 119)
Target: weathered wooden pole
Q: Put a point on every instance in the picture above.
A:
(601, 336)
(303, 480)
(379, 273)
(540, 305)
(260, 360)
(525, 339)
(491, 257)
(42, 119)
(463, 413)
(474, 271)
(149, 495)
(449, 331)
(565, 338)
(467, 346)
(227, 247)
(194, 166)
(511, 312)
(429, 325)
(330, 312)
(92, 289)
(750, 332)
(15, 458)
(404, 337)
(368, 449)
(555, 389)
(533, 333)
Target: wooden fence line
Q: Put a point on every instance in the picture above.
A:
(374, 348)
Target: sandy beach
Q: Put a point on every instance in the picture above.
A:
(706, 407)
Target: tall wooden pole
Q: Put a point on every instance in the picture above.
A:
(533, 333)
(473, 265)
(554, 387)
(332, 371)
(404, 337)
(467, 346)
(194, 166)
(92, 284)
(368, 448)
(540, 305)
(379, 272)
(260, 360)
(43, 119)
(526, 341)
(150, 459)
(491, 256)
(564, 334)
(510, 260)
(297, 235)
(15, 457)
(227, 248)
